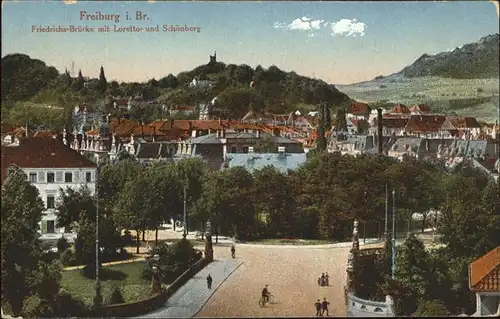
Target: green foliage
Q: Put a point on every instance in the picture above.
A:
(173, 260)
(68, 257)
(273, 91)
(23, 77)
(20, 248)
(103, 84)
(116, 296)
(37, 115)
(431, 308)
(62, 244)
(67, 305)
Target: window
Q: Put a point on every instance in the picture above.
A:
(68, 177)
(233, 149)
(245, 149)
(50, 177)
(51, 226)
(32, 177)
(88, 177)
(51, 203)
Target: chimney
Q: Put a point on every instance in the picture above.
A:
(379, 132)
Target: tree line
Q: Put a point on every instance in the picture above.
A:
(318, 200)
(26, 80)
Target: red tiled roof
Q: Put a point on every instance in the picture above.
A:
(7, 128)
(393, 122)
(42, 152)
(45, 134)
(358, 108)
(464, 122)
(484, 273)
(425, 123)
(400, 108)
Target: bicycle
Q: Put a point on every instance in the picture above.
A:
(263, 300)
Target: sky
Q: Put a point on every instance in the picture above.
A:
(338, 42)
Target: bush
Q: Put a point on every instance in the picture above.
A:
(62, 244)
(127, 238)
(67, 306)
(116, 297)
(431, 308)
(34, 306)
(68, 257)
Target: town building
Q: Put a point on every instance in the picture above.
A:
(484, 281)
(283, 162)
(49, 166)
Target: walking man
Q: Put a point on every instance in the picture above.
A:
(324, 306)
(318, 308)
(209, 281)
(233, 251)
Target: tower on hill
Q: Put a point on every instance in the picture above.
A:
(213, 58)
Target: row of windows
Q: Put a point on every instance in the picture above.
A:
(68, 177)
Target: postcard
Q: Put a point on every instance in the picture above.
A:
(250, 158)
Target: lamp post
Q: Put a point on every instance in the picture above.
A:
(97, 297)
(156, 278)
(393, 234)
(184, 234)
(386, 209)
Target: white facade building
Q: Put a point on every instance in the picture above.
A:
(50, 166)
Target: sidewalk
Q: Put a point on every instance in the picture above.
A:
(191, 297)
(119, 262)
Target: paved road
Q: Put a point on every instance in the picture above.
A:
(191, 297)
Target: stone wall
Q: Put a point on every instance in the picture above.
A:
(357, 307)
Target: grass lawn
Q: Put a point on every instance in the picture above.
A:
(125, 276)
(291, 242)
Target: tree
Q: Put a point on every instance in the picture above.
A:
(21, 251)
(273, 197)
(163, 194)
(78, 210)
(431, 308)
(112, 180)
(79, 83)
(340, 121)
(325, 124)
(133, 206)
(103, 84)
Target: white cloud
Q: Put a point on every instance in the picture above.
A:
(301, 24)
(348, 27)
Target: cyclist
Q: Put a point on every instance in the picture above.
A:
(233, 251)
(265, 293)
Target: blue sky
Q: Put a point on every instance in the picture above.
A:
(352, 42)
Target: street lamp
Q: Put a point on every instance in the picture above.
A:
(98, 296)
(386, 210)
(393, 234)
(185, 216)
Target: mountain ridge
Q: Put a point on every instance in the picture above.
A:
(476, 60)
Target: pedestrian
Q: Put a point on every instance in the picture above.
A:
(319, 281)
(322, 279)
(209, 281)
(324, 306)
(318, 308)
(233, 251)
(327, 281)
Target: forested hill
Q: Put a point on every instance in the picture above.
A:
(471, 61)
(238, 88)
